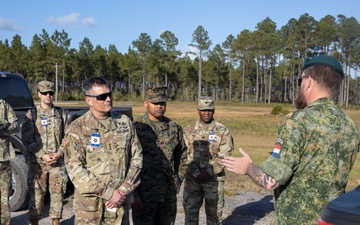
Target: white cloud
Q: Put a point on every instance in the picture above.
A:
(89, 22)
(186, 49)
(69, 20)
(9, 24)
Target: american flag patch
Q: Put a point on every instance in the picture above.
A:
(66, 141)
(276, 150)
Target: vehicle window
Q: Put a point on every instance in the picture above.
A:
(15, 92)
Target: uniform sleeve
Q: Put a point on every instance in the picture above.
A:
(289, 143)
(75, 162)
(10, 124)
(180, 156)
(132, 178)
(226, 147)
(29, 137)
(66, 123)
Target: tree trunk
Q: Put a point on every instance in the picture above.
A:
(200, 59)
(270, 84)
(257, 81)
(348, 85)
(243, 83)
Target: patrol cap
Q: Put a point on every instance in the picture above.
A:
(324, 60)
(44, 86)
(206, 103)
(156, 94)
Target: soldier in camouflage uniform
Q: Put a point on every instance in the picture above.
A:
(208, 141)
(8, 126)
(314, 151)
(103, 158)
(164, 164)
(42, 134)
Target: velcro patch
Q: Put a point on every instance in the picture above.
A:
(276, 152)
(66, 141)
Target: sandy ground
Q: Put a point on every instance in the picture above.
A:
(245, 209)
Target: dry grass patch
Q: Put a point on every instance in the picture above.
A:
(253, 129)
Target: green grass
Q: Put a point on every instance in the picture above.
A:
(254, 129)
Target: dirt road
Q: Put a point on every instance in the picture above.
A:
(245, 209)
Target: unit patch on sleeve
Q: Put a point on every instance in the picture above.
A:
(66, 141)
(276, 152)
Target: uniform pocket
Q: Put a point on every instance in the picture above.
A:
(86, 204)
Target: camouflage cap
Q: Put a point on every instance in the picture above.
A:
(324, 60)
(44, 86)
(156, 94)
(206, 103)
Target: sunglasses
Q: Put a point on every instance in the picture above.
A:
(51, 93)
(101, 97)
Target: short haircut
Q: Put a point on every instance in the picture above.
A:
(326, 77)
(89, 83)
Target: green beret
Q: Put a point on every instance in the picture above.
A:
(324, 60)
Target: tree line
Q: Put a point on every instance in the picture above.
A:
(260, 66)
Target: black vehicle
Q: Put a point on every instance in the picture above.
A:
(343, 210)
(15, 91)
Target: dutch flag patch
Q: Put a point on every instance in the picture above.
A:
(276, 150)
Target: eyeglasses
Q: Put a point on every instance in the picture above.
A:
(101, 97)
(51, 93)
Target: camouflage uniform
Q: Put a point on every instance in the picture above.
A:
(163, 169)
(44, 136)
(314, 152)
(99, 160)
(206, 144)
(8, 126)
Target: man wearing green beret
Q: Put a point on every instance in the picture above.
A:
(314, 151)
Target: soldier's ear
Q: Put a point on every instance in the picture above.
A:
(88, 100)
(145, 103)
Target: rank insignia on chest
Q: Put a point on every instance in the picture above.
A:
(95, 139)
(44, 122)
(212, 136)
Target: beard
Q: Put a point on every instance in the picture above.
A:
(300, 101)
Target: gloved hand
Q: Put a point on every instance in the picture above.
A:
(203, 176)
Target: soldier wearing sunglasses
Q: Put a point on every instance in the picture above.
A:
(103, 159)
(42, 134)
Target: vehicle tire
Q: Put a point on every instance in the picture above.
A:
(20, 190)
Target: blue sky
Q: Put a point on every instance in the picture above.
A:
(120, 22)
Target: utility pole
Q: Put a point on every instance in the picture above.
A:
(56, 81)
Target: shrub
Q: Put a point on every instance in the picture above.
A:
(277, 109)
